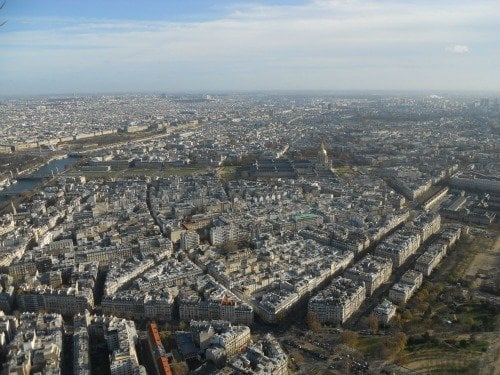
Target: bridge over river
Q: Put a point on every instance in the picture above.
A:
(38, 175)
(29, 181)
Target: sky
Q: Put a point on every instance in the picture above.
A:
(105, 46)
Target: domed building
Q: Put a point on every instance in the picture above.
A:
(322, 155)
(323, 163)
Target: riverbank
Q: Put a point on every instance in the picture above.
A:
(56, 164)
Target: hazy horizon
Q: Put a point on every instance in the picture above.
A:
(89, 47)
(357, 93)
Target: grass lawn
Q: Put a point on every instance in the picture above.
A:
(229, 172)
(439, 360)
(345, 170)
(369, 344)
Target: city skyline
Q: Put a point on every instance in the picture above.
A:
(88, 47)
(256, 234)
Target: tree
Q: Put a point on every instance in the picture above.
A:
(1, 6)
(423, 307)
(397, 321)
(350, 338)
(179, 368)
(313, 323)
(346, 366)
(183, 326)
(438, 288)
(400, 341)
(299, 358)
(422, 296)
(393, 346)
(406, 315)
(165, 336)
(373, 323)
(230, 247)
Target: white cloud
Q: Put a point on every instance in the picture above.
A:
(458, 48)
(370, 44)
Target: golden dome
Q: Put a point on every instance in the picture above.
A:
(322, 149)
